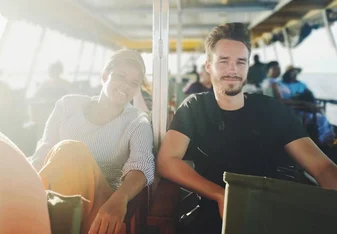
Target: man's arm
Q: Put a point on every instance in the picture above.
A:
(171, 166)
(314, 161)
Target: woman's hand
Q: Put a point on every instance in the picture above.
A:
(110, 217)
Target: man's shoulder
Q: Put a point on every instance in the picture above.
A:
(260, 101)
(196, 99)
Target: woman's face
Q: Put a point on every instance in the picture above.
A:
(121, 85)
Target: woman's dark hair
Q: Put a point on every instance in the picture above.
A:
(286, 78)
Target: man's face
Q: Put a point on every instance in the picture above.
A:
(228, 67)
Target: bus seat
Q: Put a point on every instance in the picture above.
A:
(165, 200)
(164, 204)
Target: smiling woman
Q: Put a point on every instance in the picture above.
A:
(109, 159)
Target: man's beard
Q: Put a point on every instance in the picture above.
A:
(232, 90)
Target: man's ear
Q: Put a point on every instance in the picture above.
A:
(208, 66)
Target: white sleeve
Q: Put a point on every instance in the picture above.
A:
(141, 157)
(51, 136)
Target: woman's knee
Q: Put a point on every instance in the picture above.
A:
(70, 149)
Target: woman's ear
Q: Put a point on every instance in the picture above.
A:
(104, 78)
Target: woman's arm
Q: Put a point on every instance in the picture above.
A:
(138, 171)
(51, 136)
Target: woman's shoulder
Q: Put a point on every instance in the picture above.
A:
(74, 99)
(135, 115)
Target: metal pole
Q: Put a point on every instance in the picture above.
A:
(179, 41)
(5, 34)
(35, 59)
(264, 51)
(275, 52)
(77, 68)
(287, 44)
(160, 69)
(328, 30)
(93, 59)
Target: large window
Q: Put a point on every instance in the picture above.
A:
(17, 52)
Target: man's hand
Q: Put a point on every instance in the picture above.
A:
(110, 216)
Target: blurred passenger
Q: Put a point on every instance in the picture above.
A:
(194, 72)
(43, 101)
(315, 122)
(199, 86)
(257, 72)
(100, 147)
(303, 103)
(295, 86)
(270, 83)
(55, 87)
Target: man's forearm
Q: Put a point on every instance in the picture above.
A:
(328, 178)
(181, 173)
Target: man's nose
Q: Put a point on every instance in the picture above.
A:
(232, 67)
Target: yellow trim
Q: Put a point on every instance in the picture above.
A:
(146, 45)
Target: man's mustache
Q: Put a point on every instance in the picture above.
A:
(232, 77)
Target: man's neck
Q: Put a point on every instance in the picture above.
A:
(230, 103)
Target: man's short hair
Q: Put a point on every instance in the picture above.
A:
(230, 31)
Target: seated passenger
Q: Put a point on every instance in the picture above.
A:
(289, 79)
(24, 205)
(100, 147)
(320, 131)
(270, 84)
(55, 87)
(230, 131)
(257, 72)
(204, 85)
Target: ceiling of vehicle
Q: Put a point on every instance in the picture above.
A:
(128, 23)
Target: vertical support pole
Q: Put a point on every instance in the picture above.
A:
(160, 49)
(179, 46)
(5, 34)
(93, 59)
(77, 68)
(275, 52)
(287, 43)
(328, 30)
(35, 59)
(264, 50)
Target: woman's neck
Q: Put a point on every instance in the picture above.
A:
(103, 111)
